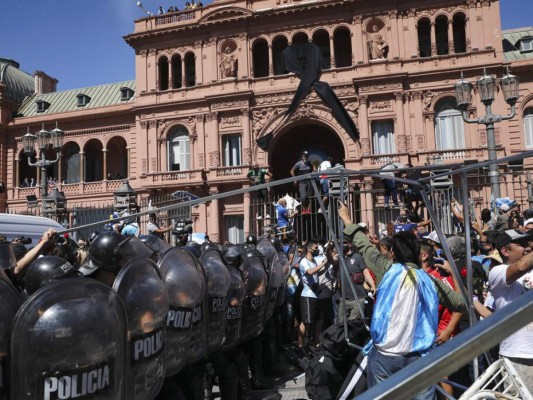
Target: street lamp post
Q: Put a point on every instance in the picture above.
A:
(487, 87)
(44, 141)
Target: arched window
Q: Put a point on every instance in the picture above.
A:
(441, 35)
(424, 37)
(279, 44)
(321, 39)
(179, 153)
(300, 37)
(459, 33)
(343, 47)
(190, 70)
(177, 73)
(162, 67)
(528, 127)
(449, 126)
(70, 162)
(260, 58)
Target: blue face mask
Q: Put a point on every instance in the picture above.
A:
(316, 253)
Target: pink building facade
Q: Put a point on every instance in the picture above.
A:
(210, 81)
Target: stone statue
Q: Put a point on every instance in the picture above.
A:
(377, 46)
(228, 64)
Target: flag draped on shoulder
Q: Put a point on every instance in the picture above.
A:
(405, 318)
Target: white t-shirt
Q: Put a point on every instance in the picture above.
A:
(520, 343)
(308, 280)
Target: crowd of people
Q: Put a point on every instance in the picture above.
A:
(189, 5)
(391, 274)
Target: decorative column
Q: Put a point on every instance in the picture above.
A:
(105, 163)
(332, 51)
(170, 74)
(412, 39)
(398, 97)
(418, 110)
(200, 150)
(359, 52)
(82, 166)
(183, 73)
(433, 39)
(246, 202)
(394, 50)
(472, 18)
(17, 173)
(270, 60)
(451, 45)
(128, 165)
(246, 137)
(163, 143)
(363, 125)
(214, 216)
(212, 145)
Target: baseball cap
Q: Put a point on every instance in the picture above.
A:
(511, 236)
(504, 207)
(433, 237)
(403, 218)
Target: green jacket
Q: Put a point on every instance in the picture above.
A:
(379, 264)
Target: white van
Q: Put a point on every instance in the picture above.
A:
(13, 225)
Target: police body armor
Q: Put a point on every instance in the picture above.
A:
(218, 283)
(145, 297)
(255, 287)
(185, 323)
(234, 300)
(10, 301)
(276, 277)
(69, 342)
(283, 261)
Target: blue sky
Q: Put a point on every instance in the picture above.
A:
(79, 42)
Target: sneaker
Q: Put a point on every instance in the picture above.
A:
(319, 211)
(386, 206)
(267, 216)
(259, 218)
(396, 205)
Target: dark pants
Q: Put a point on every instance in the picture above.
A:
(304, 187)
(391, 190)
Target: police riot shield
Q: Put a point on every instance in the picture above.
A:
(157, 245)
(145, 297)
(285, 265)
(186, 290)
(10, 301)
(255, 287)
(274, 272)
(69, 342)
(218, 283)
(234, 300)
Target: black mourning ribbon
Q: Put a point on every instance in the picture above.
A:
(305, 60)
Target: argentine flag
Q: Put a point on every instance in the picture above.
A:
(405, 318)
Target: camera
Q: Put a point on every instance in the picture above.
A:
(182, 227)
(23, 240)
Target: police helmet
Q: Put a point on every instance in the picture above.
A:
(46, 269)
(276, 243)
(251, 239)
(208, 246)
(104, 253)
(232, 255)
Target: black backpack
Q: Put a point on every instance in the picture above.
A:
(327, 368)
